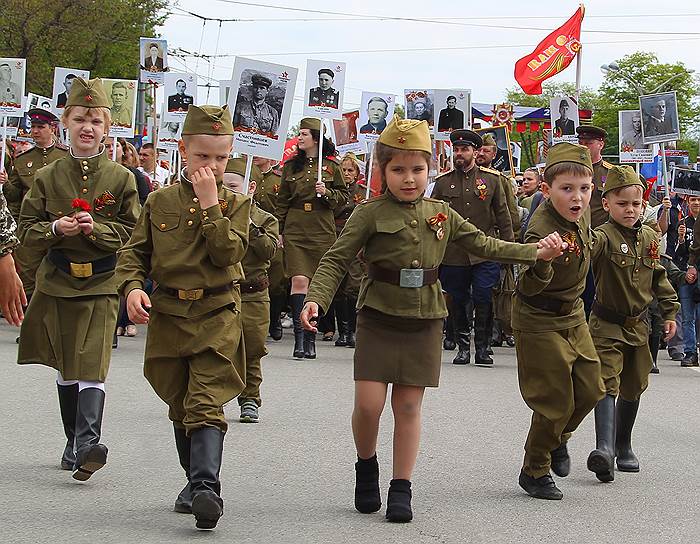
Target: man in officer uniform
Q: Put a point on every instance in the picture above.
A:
(180, 101)
(475, 193)
(256, 113)
(324, 94)
(594, 139)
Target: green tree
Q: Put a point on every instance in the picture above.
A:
(97, 35)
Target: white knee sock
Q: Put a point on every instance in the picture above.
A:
(85, 385)
(61, 381)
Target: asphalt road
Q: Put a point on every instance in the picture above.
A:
(289, 479)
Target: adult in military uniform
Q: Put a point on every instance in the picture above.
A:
(450, 118)
(12, 296)
(10, 92)
(255, 114)
(325, 95)
(190, 239)
(79, 211)
(180, 101)
(475, 193)
(121, 113)
(305, 209)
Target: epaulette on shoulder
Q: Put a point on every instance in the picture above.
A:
(607, 164)
(443, 174)
(489, 170)
(61, 146)
(335, 160)
(20, 154)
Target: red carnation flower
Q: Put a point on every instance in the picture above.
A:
(80, 205)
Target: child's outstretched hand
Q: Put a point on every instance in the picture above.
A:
(550, 246)
(308, 314)
(669, 330)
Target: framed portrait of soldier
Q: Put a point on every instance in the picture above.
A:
(420, 105)
(659, 118)
(346, 135)
(502, 158)
(325, 83)
(62, 84)
(564, 118)
(453, 108)
(376, 110)
(169, 133)
(38, 101)
(180, 93)
(12, 77)
(261, 100)
(685, 181)
(153, 53)
(631, 140)
(122, 105)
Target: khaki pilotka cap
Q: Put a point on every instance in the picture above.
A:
(215, 120)
(311, 123)
(88, 94)
(237, 166)
(621, 176)
(567, 152)
(407, 134)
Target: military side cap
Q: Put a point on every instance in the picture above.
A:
(89, 94)
(407, 134)
(489, 140)
(591, 131)
(463, 136)
(310, 123)
(237, 166)
(261, 80)
(567, 152)
(214, 120)
(621, 176)
(37, 115)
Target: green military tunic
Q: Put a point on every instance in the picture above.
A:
(262, 246)
(307, 221)
(194, 355)
(512, 203)
(351, 284)
(70, 320)
(628, 274)
(600, 174)
(558, 368)
(266, 198)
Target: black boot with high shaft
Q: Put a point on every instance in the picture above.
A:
(297, 305)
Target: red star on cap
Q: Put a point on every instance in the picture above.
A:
(216, 126)
(88, 97)
(401, 140)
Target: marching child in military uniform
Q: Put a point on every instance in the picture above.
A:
(628, 275)
(255, 299)
(401, 307)
(79, 211)
(190, 239)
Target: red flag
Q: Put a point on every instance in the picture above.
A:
(551, 56)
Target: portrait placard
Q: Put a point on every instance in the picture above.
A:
(376, 110)
(685, 181)
(12, 76)
(180, 93)
(563, 112)
(659, 117)
(325, 83)
(261, 106)
(420, 105)
(454, 109)
(38, 101)
(631, 140)
(169, 133)
(503, 161)
(154, 60)
(62, 83)
(122, 98)
(345, 134)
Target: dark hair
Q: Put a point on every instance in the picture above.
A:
(384, 153)
(299, 160)
(179, 80)
(451, 98)
(565, 169)
(147, 145)
(70, 76)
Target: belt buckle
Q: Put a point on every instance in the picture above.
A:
(81, 270)
(190, 294)
(308, 206)
(411, 277)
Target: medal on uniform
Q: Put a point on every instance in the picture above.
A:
(481, 187)
(624, 248)
(435, 223)
(654, 250)
(440, 234)
(223, 205)
(29, 164)
(105, 199)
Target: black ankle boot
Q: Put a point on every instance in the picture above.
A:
(398, 502)
(183, 503)
(297, 305)
(276, 304)
(561, 462)
(309, 345)
(602, 459)
(90, 455)
(207, 445)
(367, 498)
(68, 404)
(626, 413)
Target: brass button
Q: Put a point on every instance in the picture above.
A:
(566, 259)
(163, 225)
(109, 214)
(86, 168)
(84, 190)
(637, 270)
(192, 210)
(48, 235)
(195, 199)
(469, 203)
(190, 223)
(623, 262)
(205, 213)
(85, 162)
(415, 263)
(85, 178)
(416, 241)
(92, 237)
(414, 223)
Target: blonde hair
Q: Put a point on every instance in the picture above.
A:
(351, 160)
(90, 112)
(131, 156)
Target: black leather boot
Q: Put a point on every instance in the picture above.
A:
(602, 459)
(367, 498)
(309, 345)
(449, 343)
(90, 455)
(461, 334)
(68, 404)
(351, 304)
(297, 305)
(626, 413)
(561, 462)
(276, 305)
(482, 333)
(398, 503)
(654, 343)
(489, 331)
(207, 445)
(183, 503)
(341, 317)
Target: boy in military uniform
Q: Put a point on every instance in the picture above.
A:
(628, 275)
(401, 306)
(190, 239)
(79, 211)
(255, 299)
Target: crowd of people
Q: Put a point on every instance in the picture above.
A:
(576, 266)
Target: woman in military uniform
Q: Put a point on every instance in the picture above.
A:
(305, 208)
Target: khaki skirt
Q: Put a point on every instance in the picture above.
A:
(399, 350)
(73, 335)
(302, 255)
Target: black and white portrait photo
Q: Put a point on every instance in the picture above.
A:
(38, 101)
(62, 84)
(564, 118)
(169, 134)
(154, 60)
(324, 94)
(419, 105)
(659, 117)
(685, 181)
(11, 86)
(122, 98)
(632, 148)
(455, 107)
(256, 109)
(324, 89)
(376, 110)
(180, 94)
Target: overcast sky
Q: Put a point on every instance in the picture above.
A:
(469, 45)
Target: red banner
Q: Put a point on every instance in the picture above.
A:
(552, 55)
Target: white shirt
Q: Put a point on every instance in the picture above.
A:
(160, 175)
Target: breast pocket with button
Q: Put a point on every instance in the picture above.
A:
(165, 230)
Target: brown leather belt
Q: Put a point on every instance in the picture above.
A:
(309, 206)
(81, 270)
(255, 286)
(406, 277)
(611, 316)
(195, 294)
(548, 304)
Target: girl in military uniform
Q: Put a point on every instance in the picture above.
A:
(401, 307)
(80, 210)
(306, 220)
